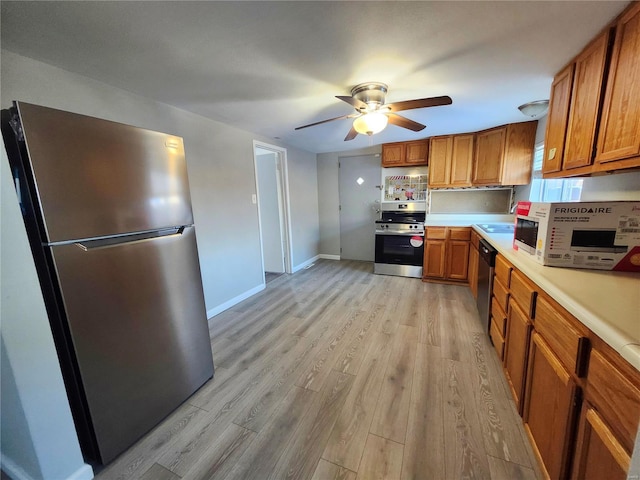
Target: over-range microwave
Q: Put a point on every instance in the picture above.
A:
(597, 235)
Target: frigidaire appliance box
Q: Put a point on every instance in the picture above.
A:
(598, 235)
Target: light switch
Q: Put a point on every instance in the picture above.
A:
(254, 199)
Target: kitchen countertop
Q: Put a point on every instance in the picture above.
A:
(608, 303)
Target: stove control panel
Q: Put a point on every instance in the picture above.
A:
(400, 228)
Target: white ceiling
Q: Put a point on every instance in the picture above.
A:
(268, 67)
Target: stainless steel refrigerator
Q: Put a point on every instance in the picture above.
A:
(108, 215)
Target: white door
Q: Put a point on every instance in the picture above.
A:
(270, 218)
(359, 179)
(272, 198)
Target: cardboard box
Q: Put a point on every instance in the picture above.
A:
(596, 235)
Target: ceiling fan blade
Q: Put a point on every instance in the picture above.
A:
(354, 102)
(404, 122)
(351, 135)
(328, 120)
(419, 103)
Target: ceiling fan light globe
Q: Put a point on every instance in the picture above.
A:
(370, 123)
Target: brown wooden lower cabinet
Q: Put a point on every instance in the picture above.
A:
(599, 454)
(434, 259)
(550, 408)
(457, 260)
(446, 254)
(516, 349)
(553, 364)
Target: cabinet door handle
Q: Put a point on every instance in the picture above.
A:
(584, 347)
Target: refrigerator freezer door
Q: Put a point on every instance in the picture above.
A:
(138, 325)
(96, 178)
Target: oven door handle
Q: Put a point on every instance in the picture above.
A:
(403, 234)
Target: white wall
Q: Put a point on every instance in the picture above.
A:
(618, 186)
(222, 179)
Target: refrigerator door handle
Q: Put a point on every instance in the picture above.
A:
(87, 245)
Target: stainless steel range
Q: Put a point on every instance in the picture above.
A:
(400, 240)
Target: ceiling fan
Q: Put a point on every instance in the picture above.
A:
(372, 115)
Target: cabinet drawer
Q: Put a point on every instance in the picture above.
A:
(564, 339)
(615, 397)
(503, 271)
(437, 233)
(460, 233)
(501, 294)
(522, 291)
(499, 316)
(496, 339)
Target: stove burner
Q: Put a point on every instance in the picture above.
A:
(402, 217)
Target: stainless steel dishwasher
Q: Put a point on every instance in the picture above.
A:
(486, 264)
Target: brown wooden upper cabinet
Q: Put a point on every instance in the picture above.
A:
(619, 138)
(593, 123)
(451, 160)
(557, 120)
(489, 156)
(498, 156)
(405, 154)
(573, 109)
(504, 155)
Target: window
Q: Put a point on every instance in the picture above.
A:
(552, 189)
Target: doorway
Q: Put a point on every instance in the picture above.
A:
(359, 190)
(273, 209)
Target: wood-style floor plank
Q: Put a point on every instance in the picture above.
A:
(509, 471)
(392, 410)
(353, 355)
(465, 456)
(314, 376)
(382, 460)
(424, 446)
(504, 443)
(158, 472)
(330, 471)
(263, 453)
(221, 455)
(336, 373)
(301, 455)
(349, 435)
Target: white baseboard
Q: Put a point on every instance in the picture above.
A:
(305, 263)
(85, 472)
(329, 257)
(234, 301)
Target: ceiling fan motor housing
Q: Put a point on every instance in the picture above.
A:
(371, 93)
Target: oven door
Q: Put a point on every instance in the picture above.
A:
(399, 249)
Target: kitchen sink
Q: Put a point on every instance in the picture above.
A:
(497, 227)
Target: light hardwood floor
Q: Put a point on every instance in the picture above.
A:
(336, 373)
